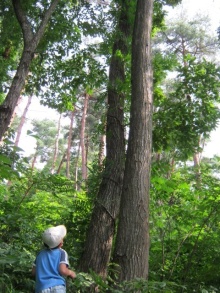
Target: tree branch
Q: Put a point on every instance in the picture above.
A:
(28, 35)
(23, 21)
(45, 21)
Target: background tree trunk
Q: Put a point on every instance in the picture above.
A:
(56, 146)
(132, 241)
(82, 137)
(22, 121)
(61, 163)
(68, 152)
(34, 161)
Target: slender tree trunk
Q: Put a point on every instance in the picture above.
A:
(31, 42)
(61, 163)
(56, 146)
(23, 118)
(101, 230)
(132, 241)
(82, 137)
(34, 161)
(196, 160)
(68, 152)
(86, 143)
(77, 186)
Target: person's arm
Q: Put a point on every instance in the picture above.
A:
(65, 271)
(33, 271)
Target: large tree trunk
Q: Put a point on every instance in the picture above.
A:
(100, 234)
(31, 42)
(132, 241)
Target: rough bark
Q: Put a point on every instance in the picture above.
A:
(101, 230)
(31, 42)
(132, 241)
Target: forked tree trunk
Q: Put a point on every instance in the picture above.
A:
(31, 42)
(101, 230)
(132, 241)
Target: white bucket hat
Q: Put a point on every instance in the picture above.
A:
(53, 236)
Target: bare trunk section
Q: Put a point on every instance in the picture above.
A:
(56, 147)
(101, 230)
(22, 122)
(132, 241)
(30, 44)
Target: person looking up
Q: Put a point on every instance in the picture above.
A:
(51, 264)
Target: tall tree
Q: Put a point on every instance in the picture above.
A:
(187, 110)
(101, 230)
(132, 241)
(31, 41)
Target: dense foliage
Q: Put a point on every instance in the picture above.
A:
(184, 252)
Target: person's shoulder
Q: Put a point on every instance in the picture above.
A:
(63, 251)
(64, 256)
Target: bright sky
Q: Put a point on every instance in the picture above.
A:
(210, 7)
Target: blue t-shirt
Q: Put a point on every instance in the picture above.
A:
(47, 268)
